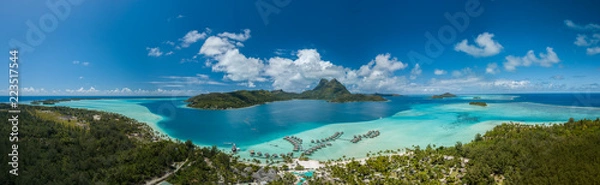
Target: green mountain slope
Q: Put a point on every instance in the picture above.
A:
(332, 91)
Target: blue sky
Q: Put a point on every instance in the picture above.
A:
(190, 47)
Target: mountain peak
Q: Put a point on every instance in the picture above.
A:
(327, 89)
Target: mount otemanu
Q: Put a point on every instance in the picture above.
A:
(332, 91)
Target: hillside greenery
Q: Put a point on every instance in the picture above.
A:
(59, 145)
(511, 153)
(478, 103)
(442, 96)
(332, 91)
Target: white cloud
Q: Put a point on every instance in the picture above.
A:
(545, 60)
(415, 72)
(192, 37)
(248, 84)
(511, 84)
(239, 37)
(154, 52)
(30, 91)
(469, 84)
(82, 90)
(296, 74)
(584, 40)
(377, 75)
(215, 45)
(202, 76)
(33, 91)
(169, 53)
(124, 90)
(558, 77)
(590, 42)
(486, 46)
(180, 16)
(80, 77)
(183, 81)
(280, 52)
(77, 62)
(591, 26)
(463, 72)
(492, 68)
(238, 67)
(299, 74)
(439, 72)
(593, 51)
(170, 43)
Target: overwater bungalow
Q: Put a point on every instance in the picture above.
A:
(267, 155)
(259, 153)
(251, 152)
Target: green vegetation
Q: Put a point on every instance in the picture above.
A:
(442, 96)
(332, 91)
(417, 166)
(326, 90)
(509, 154)
(237, 99)
(356, 97)
(53, 101)
(380, 94)
(483, 104)
(113, 150)
(542, 154)
(59, 145)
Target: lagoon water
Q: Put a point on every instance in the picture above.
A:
(403, 121)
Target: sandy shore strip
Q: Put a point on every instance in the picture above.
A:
(127, 107)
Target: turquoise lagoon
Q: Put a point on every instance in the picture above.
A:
(403, 121)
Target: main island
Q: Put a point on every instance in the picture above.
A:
(329, 90)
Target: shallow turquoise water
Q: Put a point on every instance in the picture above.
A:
(403, 121)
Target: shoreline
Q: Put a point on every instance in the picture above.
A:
(397, 130)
